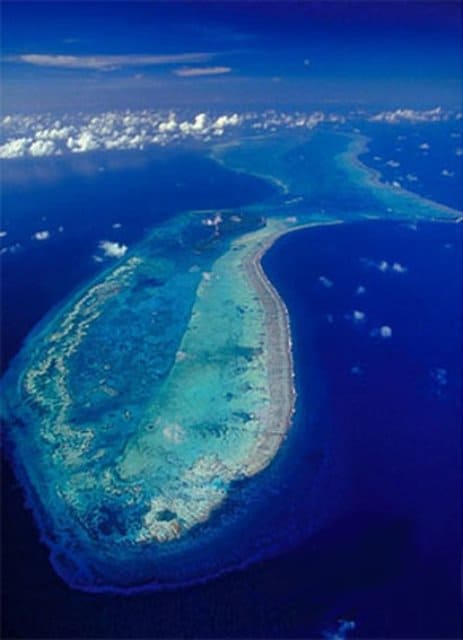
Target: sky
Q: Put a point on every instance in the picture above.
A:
(89, 56)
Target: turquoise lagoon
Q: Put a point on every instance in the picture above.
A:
(137, 409)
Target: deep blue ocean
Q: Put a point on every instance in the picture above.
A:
(375, 310)
(426, 158)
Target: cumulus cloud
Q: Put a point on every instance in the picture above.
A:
(109, 130)
(193, 72)
(42, 148)
(45, 134)
(356, 316)
(41, 235)
(384, 266)
(197, 126)
(14, 148)
(410, 115)
(112, 249)
(447, 173)
(227, 121)
(168, 125)
(109, 62)
(385, 331)
(424, 145)
(215, 222)
(84, 142)
(13, 248)
(393, 163)
(326, 282)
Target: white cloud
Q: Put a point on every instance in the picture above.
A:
(109, 62)
(13, 248)
(227, 121)
(113, 249)
(393, 163)
(459, 152)
(3, 234)
(398, 268)
(216, 221)
(447, 173)
(42, 148)
(193, 72)
(385, 331)
(383, 265)
(424, 146)
(84, 142)
(356, 316)
(326, 282)
(360, 290)
(14, 148)
(169, 125)
(197, 126)
(56, 132)
(409, 115)
(42, 235)
(411, 178)
(26, 135)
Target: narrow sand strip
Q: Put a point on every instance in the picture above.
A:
(280, 366)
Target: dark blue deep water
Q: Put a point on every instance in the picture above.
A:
(391, 473)
(426, 158)
(372, 466)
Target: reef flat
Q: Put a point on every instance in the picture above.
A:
(135, 408)
(227, 401)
